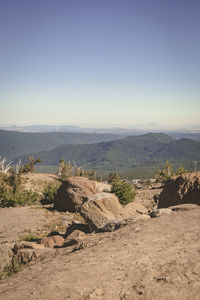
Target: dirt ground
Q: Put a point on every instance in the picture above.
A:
(151, 259)
(17, 222)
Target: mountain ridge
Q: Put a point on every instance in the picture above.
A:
(13, 143)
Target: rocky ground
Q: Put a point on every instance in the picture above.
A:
(147, 258)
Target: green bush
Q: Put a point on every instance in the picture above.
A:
(9, 198)
(49, 193)
(31, 237)
(124, 191)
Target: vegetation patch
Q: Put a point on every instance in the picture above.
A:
(124, 191)
(10, 198)
(49, 193)
(13, 268)
(167, 172)
(31, 237)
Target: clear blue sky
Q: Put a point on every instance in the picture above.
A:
(100, 61)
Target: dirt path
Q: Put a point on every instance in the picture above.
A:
(149, 260)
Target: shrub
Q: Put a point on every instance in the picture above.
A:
(31, 237)
(124, 191)
(181, 170)
(113, 177)
(14, 180)
(30, 167)
(49, 193)
(164, 174)
(9, 198)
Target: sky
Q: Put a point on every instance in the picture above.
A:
(100, 62)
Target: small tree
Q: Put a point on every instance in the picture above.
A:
(124, 191)
(164, 174)
(29, 167)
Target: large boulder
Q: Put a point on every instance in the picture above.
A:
(180, 190)
(101, 209)
(72, 193)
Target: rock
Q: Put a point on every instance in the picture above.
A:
(28, 255)
(134, 208)
(6, 255)
(74, 238)
(102, 209)
(158, 212)
(180, 190)
(103, 187)
(80, 227)
(26, 245)
(53, 241)
(24, 256)
(26, 252)
(76, 234)
(72, 193)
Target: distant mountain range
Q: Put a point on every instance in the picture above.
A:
(138, 155)
(14, 144)
(130, 155)
(192, 132)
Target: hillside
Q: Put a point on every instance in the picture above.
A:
(121, 154)
(134, 155)
(180, 149)
(13, 143)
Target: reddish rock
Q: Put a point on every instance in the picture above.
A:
(73, 192)
(180, 190)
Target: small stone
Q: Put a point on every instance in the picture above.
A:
(137, 229)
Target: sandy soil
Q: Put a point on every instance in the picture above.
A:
(152, 259)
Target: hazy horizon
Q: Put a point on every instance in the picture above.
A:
(100, 62)
(139, 126)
